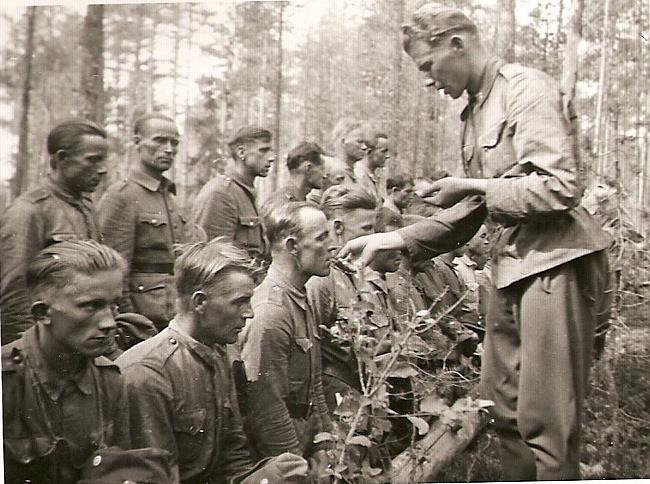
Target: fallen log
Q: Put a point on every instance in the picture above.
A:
(441, 443)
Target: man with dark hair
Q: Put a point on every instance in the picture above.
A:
(226, 206)
(281, 348)
(305, 164)
(399, 192)
(58, 209)
(180, 386)
(351, 212)
(550, 259)
(139, 218)
(62, 400)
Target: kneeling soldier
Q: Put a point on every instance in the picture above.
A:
(62, 400)
(180, 386)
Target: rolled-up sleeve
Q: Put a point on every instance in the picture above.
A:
(266, 349)
(544, 182)
(22, 236)
(445, 231)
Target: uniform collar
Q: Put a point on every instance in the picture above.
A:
(488, 76)
(151, 183)
(360, 171)
(66, 195)
(52, 381)
(211, 355)
(465, 260)
(239, 181)
(296, 294)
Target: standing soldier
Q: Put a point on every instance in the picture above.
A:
(305, 165)
(62, 400)
(139, 218)
(58, 209)
(550, 260)
(375, 157)
(226, 206)
(281, 348)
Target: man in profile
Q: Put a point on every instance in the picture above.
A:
(227, 205)
(180, 386)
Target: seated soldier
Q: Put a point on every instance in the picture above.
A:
(351, 212)
(62, 400)
(180, 386)
(280, 345)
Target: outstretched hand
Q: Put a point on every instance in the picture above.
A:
(366, 247)
(448, 191)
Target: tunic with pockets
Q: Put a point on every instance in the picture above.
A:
(226, 207)
(38, 218)
(282, 360)
(51, 425)
(139, 218)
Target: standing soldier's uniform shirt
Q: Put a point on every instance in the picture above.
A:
(282, 360)
(550, 265)
(368, 181)
(52, 426)
(226, 207)
(139, 218)
(38, 218)
(182, 399)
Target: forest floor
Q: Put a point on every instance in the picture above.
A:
(616, 430)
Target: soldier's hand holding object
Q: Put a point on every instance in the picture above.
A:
(448, 191)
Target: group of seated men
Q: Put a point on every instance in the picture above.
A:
(143, 345)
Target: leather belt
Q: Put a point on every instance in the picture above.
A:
(153, 267)
(299, 410)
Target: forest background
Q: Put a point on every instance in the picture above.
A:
(298, 67)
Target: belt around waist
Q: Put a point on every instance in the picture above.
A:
(153, 267)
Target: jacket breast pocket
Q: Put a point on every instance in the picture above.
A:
(189, 428)
(496, 149)
(152, 231)
(249, 231)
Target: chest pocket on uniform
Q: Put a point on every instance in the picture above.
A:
(497, 153)
(152, 231)
(189, 427)
(249, 231)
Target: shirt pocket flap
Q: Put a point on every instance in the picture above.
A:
(153, 219)
(140, 286)
(304, 344)
(249, 221)
(190, 421)
(493, 135)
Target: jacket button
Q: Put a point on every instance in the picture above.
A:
(264, 481)
(173, 341)
(141, 288)
(97, 460)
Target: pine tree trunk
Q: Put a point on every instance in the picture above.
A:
(278, 94)
(92, 79)
(20, 178)
(600, 100)
(506, 26)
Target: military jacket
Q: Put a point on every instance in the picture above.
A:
(226, 207)
(517, 136)
(182, 399)
(139, 218)
(52, 426)
(38, 218)
(282, 360)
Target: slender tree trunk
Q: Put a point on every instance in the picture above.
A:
(570, 78)
(278, 93)
(21, 178)
(92, 79)
(185, 154)
(506, 27)
(397, 87)
(602, 84)
(151, 68)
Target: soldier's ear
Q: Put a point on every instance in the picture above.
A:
(457, 42)
(41, 312)
(241, 152)
(339, 227)
(291, 244)
(199, 300)
(60, 155)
